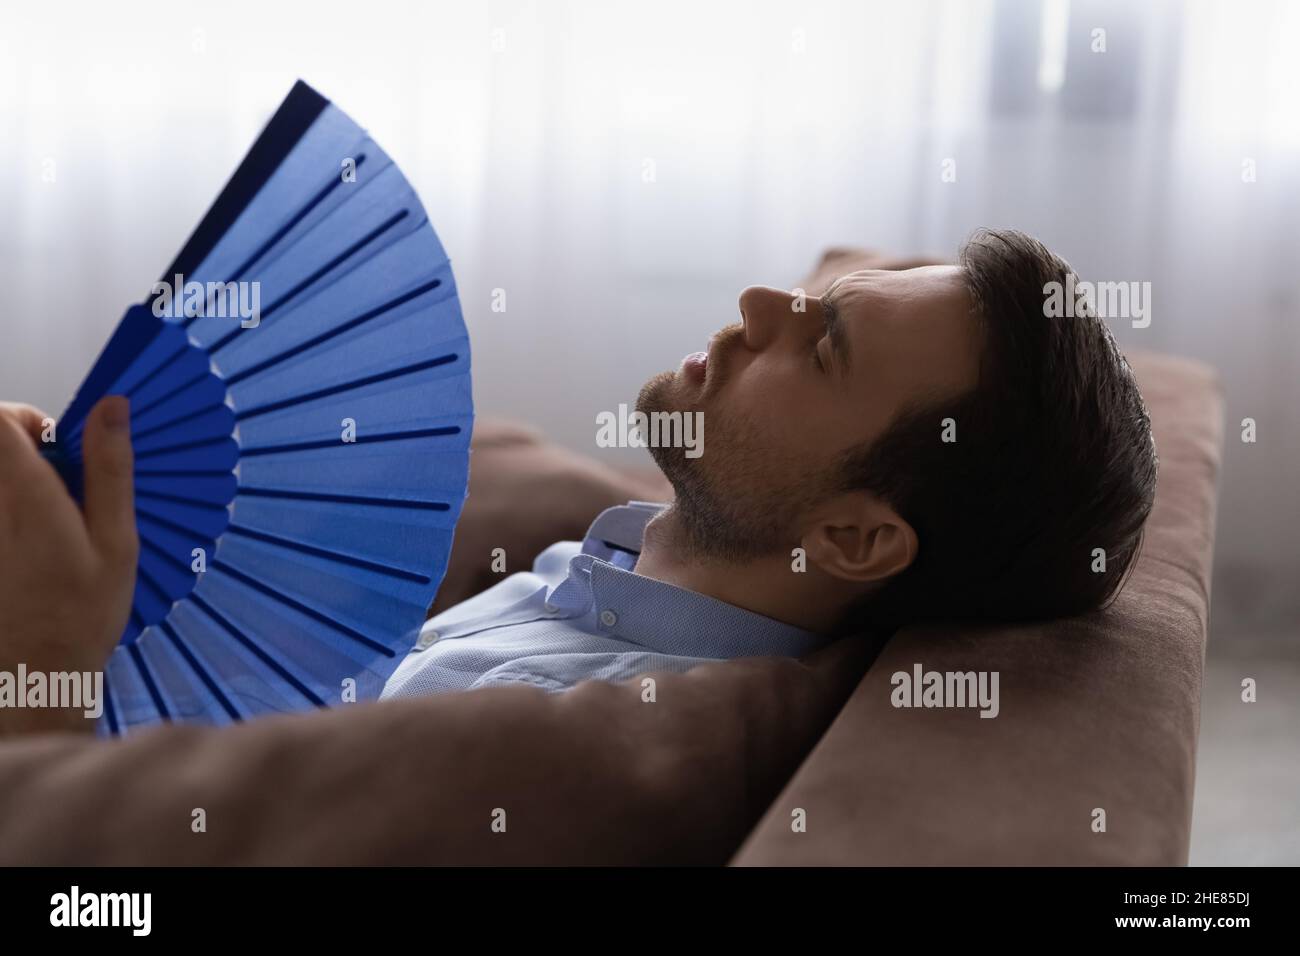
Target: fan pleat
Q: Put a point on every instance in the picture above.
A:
(342, 471)
(277, 632)
(184, 518)
(218, 487)
(291, 495)
(256, 681)
(150, 600)
(195, 665)
(299, 177)
(333, 183)
(340, 557)
(217, 422)
(208, 456)
(379, 538)
(373, 216)
(162, 566)
(148, 681)
(335, 334)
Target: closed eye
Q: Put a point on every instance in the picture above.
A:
(839, 343)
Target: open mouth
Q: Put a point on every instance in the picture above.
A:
(695, 365)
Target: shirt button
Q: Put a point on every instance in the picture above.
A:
(608, 618)
(426, 640)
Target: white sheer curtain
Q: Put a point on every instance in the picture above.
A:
(622, 170)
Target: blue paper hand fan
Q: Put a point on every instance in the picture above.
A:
(301, 413)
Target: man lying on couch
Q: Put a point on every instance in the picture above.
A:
(912, 444)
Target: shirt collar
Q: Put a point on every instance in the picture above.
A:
(617, 532)
(657, 615)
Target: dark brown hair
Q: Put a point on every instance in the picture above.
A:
(1053, 458)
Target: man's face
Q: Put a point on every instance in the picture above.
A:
(794, 385)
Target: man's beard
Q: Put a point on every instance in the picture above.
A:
(730, 506)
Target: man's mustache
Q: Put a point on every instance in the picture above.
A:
(721, 345)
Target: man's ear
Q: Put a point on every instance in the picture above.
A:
(858, 537)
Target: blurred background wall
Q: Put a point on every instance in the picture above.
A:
(623, 169)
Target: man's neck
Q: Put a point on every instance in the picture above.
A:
(769, 586)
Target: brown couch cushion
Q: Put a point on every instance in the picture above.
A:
(1099, 711)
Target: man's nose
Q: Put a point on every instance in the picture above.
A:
(767, 314)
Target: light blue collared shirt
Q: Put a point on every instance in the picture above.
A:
(581, 614)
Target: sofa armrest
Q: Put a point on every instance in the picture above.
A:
(597, 775)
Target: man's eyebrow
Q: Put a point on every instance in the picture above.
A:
(835, 328)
